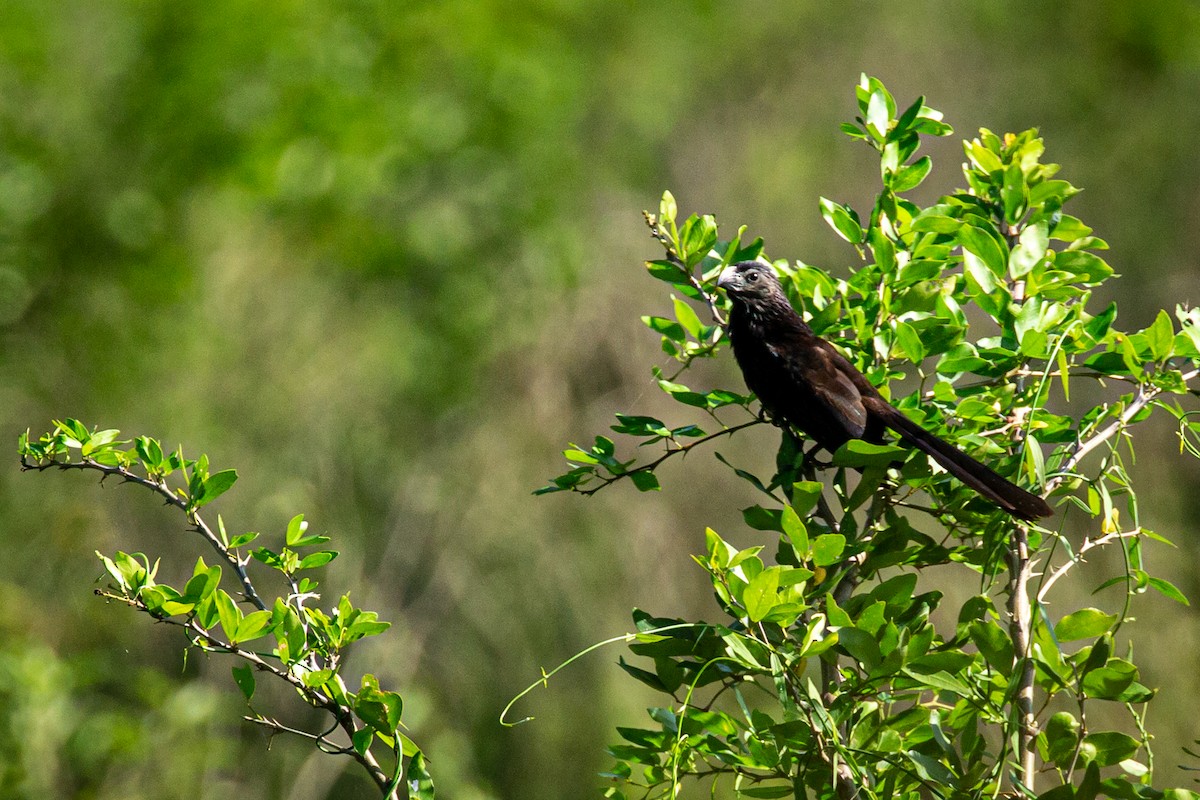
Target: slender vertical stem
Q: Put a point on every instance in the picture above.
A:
(1021, 631)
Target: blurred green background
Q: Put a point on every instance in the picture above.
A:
(385, 259)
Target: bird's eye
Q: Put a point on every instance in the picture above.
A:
(751, 277)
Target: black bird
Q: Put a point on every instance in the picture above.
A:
(803, 380)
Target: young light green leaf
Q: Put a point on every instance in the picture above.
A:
(877, 114)
(228, 613)
(1161, 336)
(242, 539)
(295, 529)
(316, 678)
(843, 220)
(687, 317)
(667, 209)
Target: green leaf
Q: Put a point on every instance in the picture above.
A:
(1058, 190)
(852, 130)
(149, 451)
(762, 594)
(1108, 747)
(1030, 250)
(827, 549)
(763, 519)
(668, 272)
(696, 238)
(416, 775)
(667, 209)
(641, 426)
(984, 246)
(910, 177)
(100, 440)
(687, 317)
(645, 481)
(910, 342)
(379, 709)
(1110, 681)
(317, 678)
(362, 739)
(242, 539)
(317, 559)
(861, 646)
(942, 681)
(1083, 624)
(1168, 589)
(1086, 267)
(994, 645)
(843, 220)
(877, 117)
(794, 530)
(805, 496)
(909, 116)
(295, 529)
(683, 394)
(203, 582)
(931, 769)
(1012, 194)
(1069, 229)
(252, 626)
(860, 453)
(984, 159)
(228, 612)
(748, 652)
(243, 676)
(1060, 737)
(214, 486)
(267, 556)
(1161, 336)
(935, 223)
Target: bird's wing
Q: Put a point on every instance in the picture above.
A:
(817, 365)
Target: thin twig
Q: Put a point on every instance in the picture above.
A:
(172, 498)
(680, 450)
(1020, 630)
(1052, 577)
(1145, 394)
(323, 744)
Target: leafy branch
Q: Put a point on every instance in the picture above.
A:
(309, 643)
(829, 677)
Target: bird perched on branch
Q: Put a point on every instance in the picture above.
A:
(803, 380)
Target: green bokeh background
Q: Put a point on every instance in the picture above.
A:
(384, 259)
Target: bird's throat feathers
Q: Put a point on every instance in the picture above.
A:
(768, 315)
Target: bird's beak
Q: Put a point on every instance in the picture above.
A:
(728, 278)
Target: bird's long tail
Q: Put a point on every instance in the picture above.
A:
(1004, 493)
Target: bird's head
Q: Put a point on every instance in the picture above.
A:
(749, 280)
